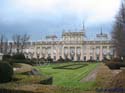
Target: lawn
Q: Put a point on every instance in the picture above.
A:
(69, 77)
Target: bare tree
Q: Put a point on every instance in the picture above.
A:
(6, 46)
(20, 41)
(17, 42)
(118, 33)
(24, 39)
(3, 43)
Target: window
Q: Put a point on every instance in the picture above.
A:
(72, 51)
(54, 58)
(78, 57)
(72, 58)
(84, 58)
(104, 50)
(91, 58)
(97, 58)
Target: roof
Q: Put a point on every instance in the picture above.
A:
(72, 33)
(51, 37)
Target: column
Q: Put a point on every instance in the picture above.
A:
(68, 52)
(88, 52)
(62, 52)
(81, 53)
(94, 55)
(75, 57)
(52, 51)
(101, 53)
(58, 52)
(108, 51)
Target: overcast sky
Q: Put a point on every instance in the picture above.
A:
(42, 17)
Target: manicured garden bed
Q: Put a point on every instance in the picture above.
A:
(70, 66)
(69, 78)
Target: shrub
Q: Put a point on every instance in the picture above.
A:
(117, 60)
(67, 59)
(6, 72)
(18, 61)
(42, 59)
(60, 59)
(47, 81)
(6, 57)
(90, 60)
(49, 59)
(115, 65)
(19, 56)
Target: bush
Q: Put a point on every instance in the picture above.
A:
(117, 60)
(49, 59)
(18, 61)
(47, 81)
(60, 59)
(6, 72)
(6, 57)
(67, 59)
(115, 65)
(19, 56)
(42, 59)
(90, 60)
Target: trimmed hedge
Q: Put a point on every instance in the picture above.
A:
(19, 56)
(115, 65)
(6, 57)
(60, 59)
(71, 66)
(117, 60)
(18, 61)
(47, 81)
(6, 72)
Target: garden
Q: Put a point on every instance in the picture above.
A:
(58, 77)
(69, 74)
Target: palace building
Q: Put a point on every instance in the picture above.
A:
(74, 46)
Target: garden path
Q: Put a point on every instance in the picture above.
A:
(92, 75)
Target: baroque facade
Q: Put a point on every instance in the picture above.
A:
(74, 46)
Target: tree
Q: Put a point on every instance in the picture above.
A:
(3, 44)
(17, 42)
(6, 46)
(20, 41)
(24, 39)
(118, 33)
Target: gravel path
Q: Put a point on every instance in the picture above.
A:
(92, 75)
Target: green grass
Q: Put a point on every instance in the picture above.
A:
(69, 78)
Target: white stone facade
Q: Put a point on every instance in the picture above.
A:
(73, 46)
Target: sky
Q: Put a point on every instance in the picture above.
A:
(39, 18)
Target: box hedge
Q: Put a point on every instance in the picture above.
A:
(6, 72)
